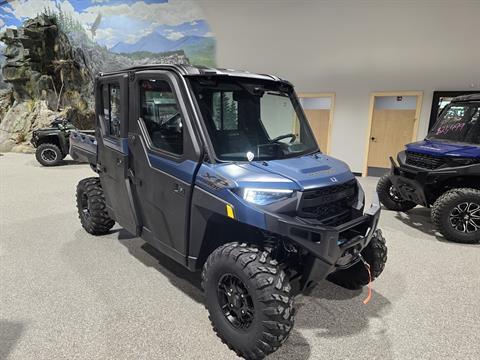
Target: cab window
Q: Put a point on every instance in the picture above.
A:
(111, 109)
(160, 112)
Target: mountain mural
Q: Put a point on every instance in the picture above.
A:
(195, 47)
(50, 51)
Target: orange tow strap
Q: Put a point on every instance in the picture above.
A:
(367, 266)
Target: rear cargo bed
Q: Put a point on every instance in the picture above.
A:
(83, 146)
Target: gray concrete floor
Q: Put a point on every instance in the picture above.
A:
(67, 295)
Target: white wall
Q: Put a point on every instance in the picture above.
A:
(353, 48)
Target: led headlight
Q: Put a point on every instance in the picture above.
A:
(266, 196)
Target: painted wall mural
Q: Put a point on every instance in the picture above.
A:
(50, 51)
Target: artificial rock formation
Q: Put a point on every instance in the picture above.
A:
(48, 78)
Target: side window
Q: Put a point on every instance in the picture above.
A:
(111, 108)
(161, 115)
(114, 110)
(224, 111)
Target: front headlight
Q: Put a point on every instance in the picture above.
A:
(266, 196)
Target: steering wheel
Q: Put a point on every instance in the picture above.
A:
(286, 136)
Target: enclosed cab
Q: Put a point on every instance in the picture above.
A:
(442, 172)
(219, 170)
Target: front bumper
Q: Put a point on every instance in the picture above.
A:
(419, 185)
(329, 248)
(34, 140)
(410, 183)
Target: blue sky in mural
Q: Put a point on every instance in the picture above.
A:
(123, 22)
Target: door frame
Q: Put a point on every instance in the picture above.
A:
(416, 125)
(330, 95)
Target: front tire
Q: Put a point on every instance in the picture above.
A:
(92, 208)
(248, 298)
(49, 154)
(356, 276)
(456, 214)
(390, 197)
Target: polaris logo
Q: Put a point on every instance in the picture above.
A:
(333, 179)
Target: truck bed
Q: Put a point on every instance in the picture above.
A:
(83, 146)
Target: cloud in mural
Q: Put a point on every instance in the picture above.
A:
(126, 26)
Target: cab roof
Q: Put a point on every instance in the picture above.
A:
(463, 98)
(188, 70)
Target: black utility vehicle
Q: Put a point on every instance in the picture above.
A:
(219, 170)
(52, 144)
(443, 171)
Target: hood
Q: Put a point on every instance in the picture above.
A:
(302, 173)
(444, 148)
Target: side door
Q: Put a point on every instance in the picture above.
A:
(112, 149)
(164, 159)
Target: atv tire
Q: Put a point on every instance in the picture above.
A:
(248, 299)
(356, 276)
(49, 154)
(389, 196)
(456, 214)
(92, 208)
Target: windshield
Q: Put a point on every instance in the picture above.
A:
(458, 123)
(250, 120)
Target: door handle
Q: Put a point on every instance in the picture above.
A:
(179, 189)
(373, 138)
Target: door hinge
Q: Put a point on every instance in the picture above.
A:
(101, 168)
(133, 179)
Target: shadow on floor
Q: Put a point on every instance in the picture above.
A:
(182, 278)
(419, 218)
(295, 347)
(10, 334)
(329, 309)
(338, 312)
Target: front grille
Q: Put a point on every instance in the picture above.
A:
(332, 204)
(423, 160)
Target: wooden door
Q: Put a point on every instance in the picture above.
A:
(319, 121)
(391, 130)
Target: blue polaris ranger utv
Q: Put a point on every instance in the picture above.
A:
(443, 171)
(219, 170)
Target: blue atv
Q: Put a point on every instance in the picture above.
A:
(219, 170)
(442, 172)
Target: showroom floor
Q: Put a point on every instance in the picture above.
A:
(67, 295)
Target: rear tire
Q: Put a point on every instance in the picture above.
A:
(49, 154)
(356, 276)
(456, 214)
(390, 197)
(256, 286)
(92, 208)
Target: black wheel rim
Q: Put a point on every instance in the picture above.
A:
(465, 217)
(394, 194)
(235, 301)
(84, 206)
(48, 155)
